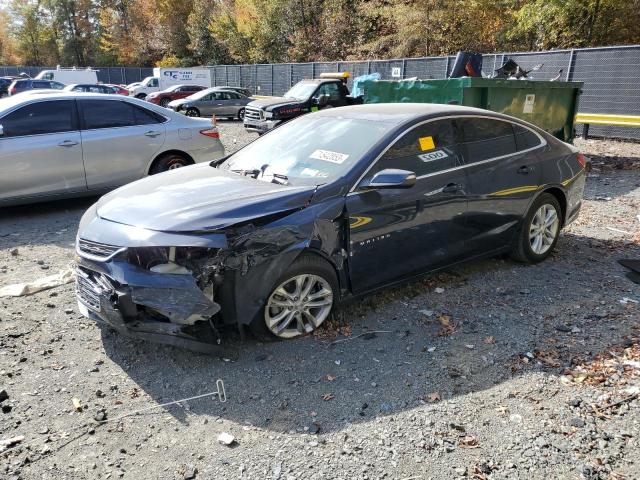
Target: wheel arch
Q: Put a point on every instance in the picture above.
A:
(561, 196)
(168, 152)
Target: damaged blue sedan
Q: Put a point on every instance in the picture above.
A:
(331, 205)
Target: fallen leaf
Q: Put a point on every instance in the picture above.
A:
(489, 340)
(328, 396)
(433, 397)
(77, 406)
(469, 441)
(445, 320)
(329, 378)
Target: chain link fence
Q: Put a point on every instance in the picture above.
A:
(610, 74)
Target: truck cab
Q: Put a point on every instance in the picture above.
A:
(147, 86)
(330, 90)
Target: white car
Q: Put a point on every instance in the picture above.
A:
(66, 144)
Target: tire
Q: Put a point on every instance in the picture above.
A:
(316, 274)
(141, 96)
(241, 114)
(164, 101)
(169, 161)
(532, 247)
(192, 112)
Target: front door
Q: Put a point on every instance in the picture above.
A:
(395, 233)
(41, 150)
(503, 174)
(119, 141)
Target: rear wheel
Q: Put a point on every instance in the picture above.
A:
(241, 114)
(141, 96)
(540, 230)
(300, 301)
(164, 101)
(192, 112)
(170, 161)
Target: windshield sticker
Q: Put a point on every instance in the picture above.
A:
(328, 156)
(431, 156)
(426, 143)
(309, 172)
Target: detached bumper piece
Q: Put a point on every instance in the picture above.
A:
(162, 308)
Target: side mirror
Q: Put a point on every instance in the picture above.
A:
(392, 178)
(322, 101)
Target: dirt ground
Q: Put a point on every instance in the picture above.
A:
(492, 370)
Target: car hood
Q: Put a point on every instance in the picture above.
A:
(270, 103)
(198, 198)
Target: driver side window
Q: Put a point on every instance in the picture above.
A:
(426, 149)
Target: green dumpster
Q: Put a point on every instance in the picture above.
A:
(551, 106)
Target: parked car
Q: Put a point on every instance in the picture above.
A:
(90, 88)
(175, 92)
(65, 144)
(4, 85)
(212, 101)
(22, 85)
(119, 89)
(243, 91)
(331, 205)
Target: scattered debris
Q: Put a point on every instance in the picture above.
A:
(226, 439)
(44, 283)
(77, 406)
(10, 442)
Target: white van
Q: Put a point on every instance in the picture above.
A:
(164, 78)
(69, 76)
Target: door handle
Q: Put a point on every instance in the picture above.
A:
(68, 143)
(452, 188)
(525, 170)
(152, 133)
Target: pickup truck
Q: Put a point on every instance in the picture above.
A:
(329, 90)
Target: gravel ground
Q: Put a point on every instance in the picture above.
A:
(492, 370)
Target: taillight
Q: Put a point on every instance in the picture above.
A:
(12, 91)
(211, 132)
(581, 160)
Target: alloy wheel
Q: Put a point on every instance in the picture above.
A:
(543, 229)
(298, 305)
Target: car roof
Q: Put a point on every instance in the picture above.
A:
(19, 99)
(399, 113)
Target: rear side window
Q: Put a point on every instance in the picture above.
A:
(485, 138)
(426, 149)
(525, 138)
(115, 113)
(40, 118)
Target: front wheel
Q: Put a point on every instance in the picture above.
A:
(540, 230)
(164, 102)
(301, 299)
(192, 112)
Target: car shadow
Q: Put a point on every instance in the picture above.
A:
(408, 345)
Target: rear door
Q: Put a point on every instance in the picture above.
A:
(40, 150)
(395, 233)
(503, 174)
(119, 139)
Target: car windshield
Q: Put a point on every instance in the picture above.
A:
(311, 150)
(301, 91)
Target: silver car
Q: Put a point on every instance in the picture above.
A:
(73, 144)
(212, 101)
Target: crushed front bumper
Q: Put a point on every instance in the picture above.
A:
(260, 126)
(143, 306)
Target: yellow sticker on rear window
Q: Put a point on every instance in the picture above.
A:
(426, 143)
